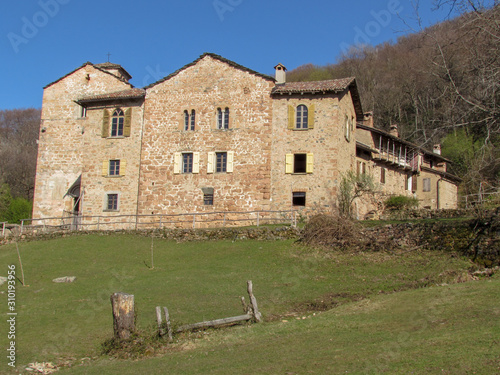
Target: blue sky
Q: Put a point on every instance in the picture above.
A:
(42, 40)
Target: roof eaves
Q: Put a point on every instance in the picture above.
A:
(384, 133)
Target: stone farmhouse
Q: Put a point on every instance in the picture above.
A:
(215, 136)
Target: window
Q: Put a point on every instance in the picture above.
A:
(187, 163)
(189, 120)
(208, 199)
(426, 184)
(299, 163)
(348, 129)
(112, 202)
(298, 198)
(120, 122)
(114, 168)
(302, 115)
(301, 118)
(117, 121)
(223, 118)
(221, 161)
(382, 175)
(83, 111)
(361, 168)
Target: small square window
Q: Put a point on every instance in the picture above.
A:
(298, 198)
(208, 199)
(114, 167)
(187, 162)
(112, 202)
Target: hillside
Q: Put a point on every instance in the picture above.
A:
(440, 85)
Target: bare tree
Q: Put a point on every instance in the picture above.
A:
(18, 150)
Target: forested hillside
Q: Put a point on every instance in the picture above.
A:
(440, 85)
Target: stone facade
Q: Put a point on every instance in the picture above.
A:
(214, 136)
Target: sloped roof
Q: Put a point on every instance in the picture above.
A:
(400, 140)
(314, 87)
(217, 57)
(323, 87)
(96, 66)
(134, 93)
(109, 65)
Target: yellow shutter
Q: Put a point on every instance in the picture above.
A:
(123, 167)
(177, 162)
(105, 124)
(230, 161)
(289, 163)
(291, 117)
(310, 118)
(310, 163)
(105, 167)
(196, 162)
(127, 122)
(210, 162)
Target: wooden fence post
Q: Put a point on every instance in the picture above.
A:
(123, 315)
(253, 302)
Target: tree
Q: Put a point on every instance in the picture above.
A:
(18, 150)
(353, 186)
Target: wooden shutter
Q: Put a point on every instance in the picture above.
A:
(105, 167)
(414, 182)
(310, 163)
(123, 167)
(310, 117)
(210, 162)
(230, 161)
(177, 162)
(196, 162)
(291, 117)
(105, 124)
(289, 163)
(127, 122)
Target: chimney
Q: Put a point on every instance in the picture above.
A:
(368, 119)
(280, 74)
(437, 149)
(393, 130)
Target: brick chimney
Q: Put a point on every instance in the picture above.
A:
(280, 74)
(437, 149)
(368, 119)
(393, 130)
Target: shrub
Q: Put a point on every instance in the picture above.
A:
(19, 209)
(401, 202)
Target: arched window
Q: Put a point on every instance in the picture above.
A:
(302, 114)
(117, 121)
(223, 118)
(189, 120)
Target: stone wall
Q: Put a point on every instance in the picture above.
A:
(204, 87)
(64, 136)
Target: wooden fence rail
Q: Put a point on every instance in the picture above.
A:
(159, 221)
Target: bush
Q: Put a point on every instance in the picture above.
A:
(401, 202)
(19, 209)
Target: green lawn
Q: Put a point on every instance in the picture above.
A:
(370, 330)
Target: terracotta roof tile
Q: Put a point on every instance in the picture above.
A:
(123, 94)
(332, 85)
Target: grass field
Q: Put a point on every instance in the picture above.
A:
(324, 312)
